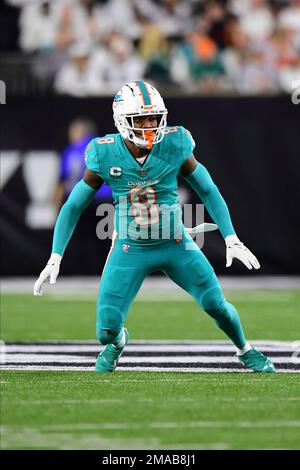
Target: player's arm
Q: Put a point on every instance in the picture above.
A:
(200, 180)
(80, 197)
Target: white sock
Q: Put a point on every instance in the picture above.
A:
(245, 349)
(122, 341)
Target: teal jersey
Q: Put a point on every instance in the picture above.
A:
(146, 201)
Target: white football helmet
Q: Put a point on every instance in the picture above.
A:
(139, 99)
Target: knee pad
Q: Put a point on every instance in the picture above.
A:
(110, 319)
(222, 312)
(107, 336)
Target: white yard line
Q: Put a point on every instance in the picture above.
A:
(165, 425)
(142, 346)
(137, 369)
(48, 358)
(113, 401)
(188, 424)
(34, 356)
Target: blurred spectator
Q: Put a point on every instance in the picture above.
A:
(206, 45)
(289, 19)
(236, 46)
(238, 7)
(122, 16)
(290, 16)
(82, 20)
(122, 65)
(147, 9)
(284, 57)
(154, 48)
(92, 72)
(174, 17)
(289, 76)
(38, 26)
(214, 12)
(81, 131)
(255, 75)
(82, 75)
(258, 22)
(202, 58)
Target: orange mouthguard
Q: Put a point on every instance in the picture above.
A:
(150, 136)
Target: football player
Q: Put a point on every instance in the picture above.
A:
(141, 164)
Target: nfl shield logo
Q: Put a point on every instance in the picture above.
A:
(125, 248)
(142, 173)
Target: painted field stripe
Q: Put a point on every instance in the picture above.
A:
(145, 400)
(31, 358)
(93, 354)
(142, 342)
(166, 425)
(137, 369)
(165, 356)
(11, 348)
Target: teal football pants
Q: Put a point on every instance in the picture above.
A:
(183, 262)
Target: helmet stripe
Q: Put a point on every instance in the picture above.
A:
(145, 93)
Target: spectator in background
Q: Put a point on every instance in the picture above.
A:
(38, 26)
(214, 12)
(123, 18)
(236, 46)
(284, 57)
(289, 77)
(99, 70)
(82, 21)
(254, 74)
(207, 46)
(174, 17)
(122, 64)
(289, 18)
(258, 22)
(82, 75)
(154, 49)
(72, 165)
(202, 57)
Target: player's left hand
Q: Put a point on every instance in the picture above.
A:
(236, 249)
(50, 271)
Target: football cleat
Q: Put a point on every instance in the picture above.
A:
(108, 359)
(257, 361)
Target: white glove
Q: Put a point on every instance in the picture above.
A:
(236, 249)
(51, 270)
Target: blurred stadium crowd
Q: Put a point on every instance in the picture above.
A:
(92, 47)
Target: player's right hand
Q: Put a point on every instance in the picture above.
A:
(236, 249)
(51, 270)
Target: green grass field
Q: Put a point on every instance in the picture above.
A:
(149, 410)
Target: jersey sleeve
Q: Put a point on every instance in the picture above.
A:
(92, 157)
(187, 144)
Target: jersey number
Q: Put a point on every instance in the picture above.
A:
(144, 207)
